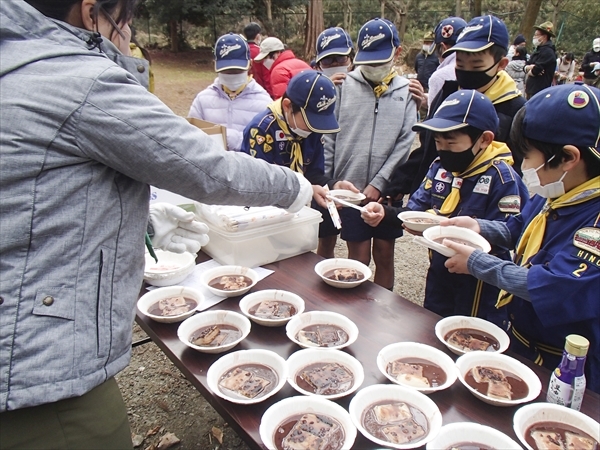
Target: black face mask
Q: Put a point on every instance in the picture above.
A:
(474, 80)
(457, 161)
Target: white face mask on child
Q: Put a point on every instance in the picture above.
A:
(377, 73)
(550, 190)
(331, 71)
(233, 81)
(268, 63)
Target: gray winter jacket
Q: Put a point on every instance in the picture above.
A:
(80, 140)
(376, 135)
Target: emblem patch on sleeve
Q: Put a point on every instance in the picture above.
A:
(588, 239)
(443, 175)
(510, 204)
(483, 185)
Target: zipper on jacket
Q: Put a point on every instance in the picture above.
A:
(375, 111)
(98, 326)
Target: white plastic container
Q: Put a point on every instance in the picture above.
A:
(264, 245)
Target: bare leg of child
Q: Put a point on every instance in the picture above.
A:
(360, 251)
(327, 246)
(383, 255)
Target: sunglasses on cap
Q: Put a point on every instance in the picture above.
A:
(330, 60)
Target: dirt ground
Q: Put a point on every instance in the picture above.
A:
(158, 397)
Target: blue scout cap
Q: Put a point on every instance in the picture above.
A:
(564, 114)
(314, 93)
(377, 42)
(481, 33)
(463, 108)
(449, 29)
(231, 52)
(333, 41)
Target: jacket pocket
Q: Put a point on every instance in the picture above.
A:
(106, 265)
(55, 302)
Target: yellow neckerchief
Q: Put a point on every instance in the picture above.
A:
(233, 94)
(531, 239)
(503, 89)
(296, 161)
(482, 162)
(385, 83)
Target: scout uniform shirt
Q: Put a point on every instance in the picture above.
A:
(563, 283)
(265, 139)
(494, 192)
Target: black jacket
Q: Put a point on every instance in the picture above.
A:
(426, 69)
(542, 74)
(408, 177)
(586, 67)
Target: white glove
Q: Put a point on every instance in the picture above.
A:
(304, 195)
(175, 229)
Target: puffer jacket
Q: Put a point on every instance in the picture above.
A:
(376, 134)
(214, 105)
(282, 71)
(80, 140)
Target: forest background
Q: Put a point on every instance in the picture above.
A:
(181, 25)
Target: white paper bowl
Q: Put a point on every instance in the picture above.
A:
(415, 350)
(244, 357)
(301, 321)
(463, 432)
(348, 195)
(228, 270)
(279, 412)
(407, 218)
(334, 263)
(503, 362)
(448, 324)
(171, 268)
(255, 298)
(529, 415)
(153, 296)
(453, 232)
(303, 358)
(207, 318)
(378, 393)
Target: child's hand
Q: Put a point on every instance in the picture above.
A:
(337, 78)
(416, 90)
(463, 222)
(371, 193)
(346, 185)
(458, 262)
(373, 214)
(320, 195)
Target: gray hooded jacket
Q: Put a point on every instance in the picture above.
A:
(80, 140)
(376, 134)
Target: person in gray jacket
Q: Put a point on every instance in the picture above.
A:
(376, 112)
(80, 141)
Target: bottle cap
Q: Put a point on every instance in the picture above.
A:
(577, 345)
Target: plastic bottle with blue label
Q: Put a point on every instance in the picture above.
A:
(567, 383)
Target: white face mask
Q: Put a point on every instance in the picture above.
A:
(298, 131)
(426, 48)
(330, 71)
(268, 63)
(536, 42)
(378, 73)
(550, 190)
(233, 81)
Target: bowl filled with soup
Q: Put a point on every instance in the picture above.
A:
(307, 422)
(171, 268)
(247, 376)
(419, 220)
(171, 303)
(434, 237)
(395, 416)
(321, 330)
(229, 281)
(214, 331)
(465, 334)
(417, 366)
(546, 425)
(347, 195)
(498, 379)
(330, 375)
(342, 273)
(471, 436)
(271, 307)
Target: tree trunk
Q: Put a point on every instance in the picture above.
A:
(531, 12)
(174, 36)
(458, 12)
(314, 25)
(476, 8)
(383, 9)
(347, 11)
(269, 8)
